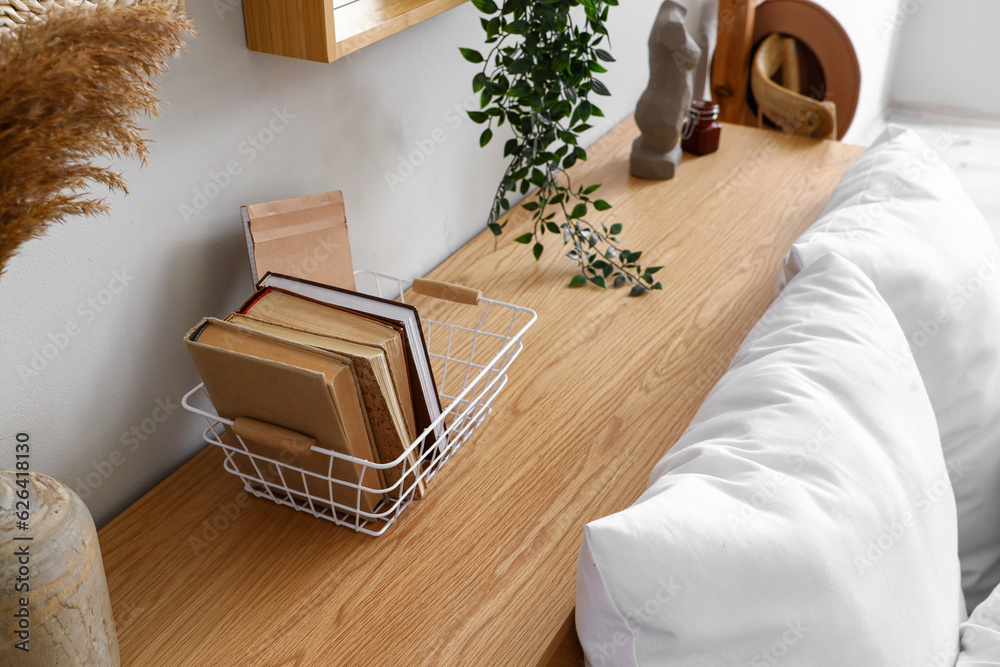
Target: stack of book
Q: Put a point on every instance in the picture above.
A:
(305, 369)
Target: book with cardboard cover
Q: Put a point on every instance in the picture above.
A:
(427, 405)
(378, 396)
(291, 386)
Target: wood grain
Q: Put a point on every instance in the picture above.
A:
(294, 28)
(731, 61)
(482, 570)
(364, 22)
(315, 30)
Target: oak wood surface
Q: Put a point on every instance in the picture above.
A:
(294, 28)
(482, 570)
(316, 30)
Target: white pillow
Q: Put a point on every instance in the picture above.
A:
(805, 515)
(980, 635)
(901, 216)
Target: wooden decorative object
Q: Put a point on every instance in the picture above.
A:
(786, 107)
(832, 71)
(316, 30)
(69, 618)
(665, 103)
(731, 63)
(18, 12)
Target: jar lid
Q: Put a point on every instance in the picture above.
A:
(703, 111)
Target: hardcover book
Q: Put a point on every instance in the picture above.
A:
(404, 318)
(304, 390)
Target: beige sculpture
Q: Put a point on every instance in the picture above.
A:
(662, 108)
(54, 603)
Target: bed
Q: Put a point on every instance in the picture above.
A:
(834, 500)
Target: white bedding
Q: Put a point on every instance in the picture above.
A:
(805, 517)
(901, 216)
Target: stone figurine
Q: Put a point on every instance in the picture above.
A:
(661, 111)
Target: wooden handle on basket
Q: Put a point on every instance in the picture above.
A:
(273, 436)
(447, 291)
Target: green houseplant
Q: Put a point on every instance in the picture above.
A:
(537, 77)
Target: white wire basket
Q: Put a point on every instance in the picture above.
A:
(470, 358)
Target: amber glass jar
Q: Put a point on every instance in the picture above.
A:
(701, 129)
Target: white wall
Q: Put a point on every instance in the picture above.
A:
(949, 58)
(876, 45)
(91, 347)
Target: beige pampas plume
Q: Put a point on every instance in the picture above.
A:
(71, 88)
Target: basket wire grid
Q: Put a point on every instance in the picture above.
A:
(470, 361)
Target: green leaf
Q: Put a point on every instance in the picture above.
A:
(619, 280)
(518, 27)
(485, 6)
(520, 66)
(579, 211)
(602, 205)
(510, 147)
(616, 229)
(478, 116)
(638, 290)
(485, 137)
(599, 87)
(478, 82)
(596, 67)
(536, 250)
(524, 238)
(495, 228)
(531, 206)
(599, 281)
(552, 227)
(472, 55)
(591, 189)
(604, 55)
(578, 281)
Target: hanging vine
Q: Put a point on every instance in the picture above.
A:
(537, 77)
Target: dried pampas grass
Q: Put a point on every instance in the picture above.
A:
(14, 13)
(71, 87)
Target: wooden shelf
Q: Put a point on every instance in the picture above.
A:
(482, 571)
(317, 30)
